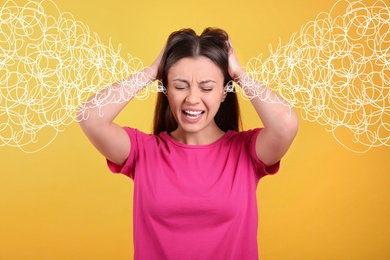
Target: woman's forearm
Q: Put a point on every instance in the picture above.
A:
(103, 107)
(274, 112)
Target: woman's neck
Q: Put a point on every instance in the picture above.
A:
(197, 138)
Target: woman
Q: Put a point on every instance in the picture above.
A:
(195, 178)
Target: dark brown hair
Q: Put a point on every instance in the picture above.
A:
(212, 44)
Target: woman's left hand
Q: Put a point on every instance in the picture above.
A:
(235, 69)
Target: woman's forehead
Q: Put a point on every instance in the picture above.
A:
(199, 68)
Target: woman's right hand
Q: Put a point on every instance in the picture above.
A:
(156, 64)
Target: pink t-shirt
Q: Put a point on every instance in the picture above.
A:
(194, 202)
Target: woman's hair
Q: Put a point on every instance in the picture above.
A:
(212, 44)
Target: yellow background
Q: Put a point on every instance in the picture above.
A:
(325, 203)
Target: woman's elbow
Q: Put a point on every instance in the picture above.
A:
(81, 114)
(289, 126)
(87, 118)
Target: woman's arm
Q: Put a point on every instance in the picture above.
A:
(96, 116)
(279, 119)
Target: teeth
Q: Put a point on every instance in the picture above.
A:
(195, 113)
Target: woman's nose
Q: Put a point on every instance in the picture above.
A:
(192, 96)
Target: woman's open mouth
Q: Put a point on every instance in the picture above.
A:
(193, 115)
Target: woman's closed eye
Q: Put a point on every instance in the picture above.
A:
(181, 87)
(206, 89)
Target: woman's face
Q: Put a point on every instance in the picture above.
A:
(195, 91)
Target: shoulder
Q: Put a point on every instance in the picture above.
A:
(242, 141)
(144, 141)
(244, 136)
(138, 136)
(144, 148)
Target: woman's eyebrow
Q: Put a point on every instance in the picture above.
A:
(202, 82)
(207, 81)
(181, 80)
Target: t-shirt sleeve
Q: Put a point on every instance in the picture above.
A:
(262, 169)
(128, 168)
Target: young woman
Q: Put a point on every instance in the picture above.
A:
(195, 178)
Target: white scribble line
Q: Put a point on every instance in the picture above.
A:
(337, 72)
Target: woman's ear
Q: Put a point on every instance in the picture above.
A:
(161, 88)
(224, 96)
(225, 92)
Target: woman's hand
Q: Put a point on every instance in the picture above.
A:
(235, 69)
(156, 63)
